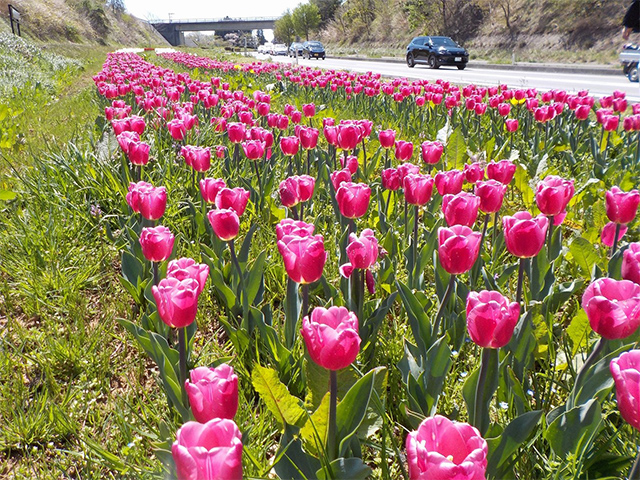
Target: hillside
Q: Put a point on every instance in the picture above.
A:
(80, 21)
(563, 30)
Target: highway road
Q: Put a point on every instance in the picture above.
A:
(598, 85)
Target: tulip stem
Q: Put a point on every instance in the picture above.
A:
(386, 155)
(156, 273)
(549, 236)
(634, 473)
(386, 208)
(305, 300)
(333, 409)
(234, 258)
(479, 412)
(255, 164)
(595, 353)
(520, 282)
(495, 227)
(364, 166)
(443, 304)
(182, 349)
(308, 161)
(615, 239)
(415, 238)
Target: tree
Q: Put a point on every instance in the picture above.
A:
(284, 29)
(117, 6)
(327, 10)
(306, 17)
(260, 37)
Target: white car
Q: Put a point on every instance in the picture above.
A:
(279, 49)
(265, 49)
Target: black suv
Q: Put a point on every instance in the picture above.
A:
(436, 51)
(312, 49)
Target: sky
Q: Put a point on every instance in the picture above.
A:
(183, 9)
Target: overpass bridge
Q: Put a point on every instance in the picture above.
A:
(173, 30)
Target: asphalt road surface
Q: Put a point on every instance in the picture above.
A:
(598, 85)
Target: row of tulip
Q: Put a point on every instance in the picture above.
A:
(333, 336)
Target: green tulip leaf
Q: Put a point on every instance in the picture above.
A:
(6, 195)
(572, 431)
(584, 254)
(455, 155)
(345, 469)
(502, 448)
(285, 407)
(314, 431)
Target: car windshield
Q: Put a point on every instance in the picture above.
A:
(443, 42)
(315, 44)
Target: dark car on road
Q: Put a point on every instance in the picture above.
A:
(313, 49)
(295, 49)
(436, 51)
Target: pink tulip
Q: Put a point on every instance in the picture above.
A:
(348, 136)
(404, 150)
(445, 450)
(613, 307)
(362, 252)
(350, 163)
(431, 152)
(491, 194)
(209, 188)
(553, 195)
(225, 223)
(631, 263)
(309, 109)
(177, 129)
(502, 171)
(290, 145)
(331, 337)
(387, 138)
(308, 137)
(150, 202)
(253, 149)
(524, 234)
(339, 177)
(407, 169)
(126, 139)
(473, 172)
(491, 318)
(391, 179)
(449, 182)
(331, 134)
(625, 371)
(237, 132)
(289, 192)
(213, 392)
(460, 209)
(353, 199)
(177, 301)
(296, 228)
(511, 124)
(156, 243)
(621, 207)
(233, 198)
(138, 153)
(184, 268)
(306, 185)
(582, 112)
(458, 248)
(304, 257)
(208, 451)
(608, 234)
(417, 188)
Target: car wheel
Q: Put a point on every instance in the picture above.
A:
(434, 62)
(461, 67)
(411, 62)
(632, 74)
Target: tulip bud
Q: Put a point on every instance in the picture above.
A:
(213, 392)
(501, 171)
(209, 188)
(391, 179)
(491, 319)
(621, 207)
(225, 223)
(331, 337)
(458, 248)
(625, 371)
(432, 455)
(460, 209)
(156, 243)
(418, 188)
(353, 199)
(524, 234)
(177, 301)
(304, 257)
(553, 195)
(449, 182)
(213, 448)
(233, 198)
(631, 263)
(431, 152)
(613, 307)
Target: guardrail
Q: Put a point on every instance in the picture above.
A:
(215, 20)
